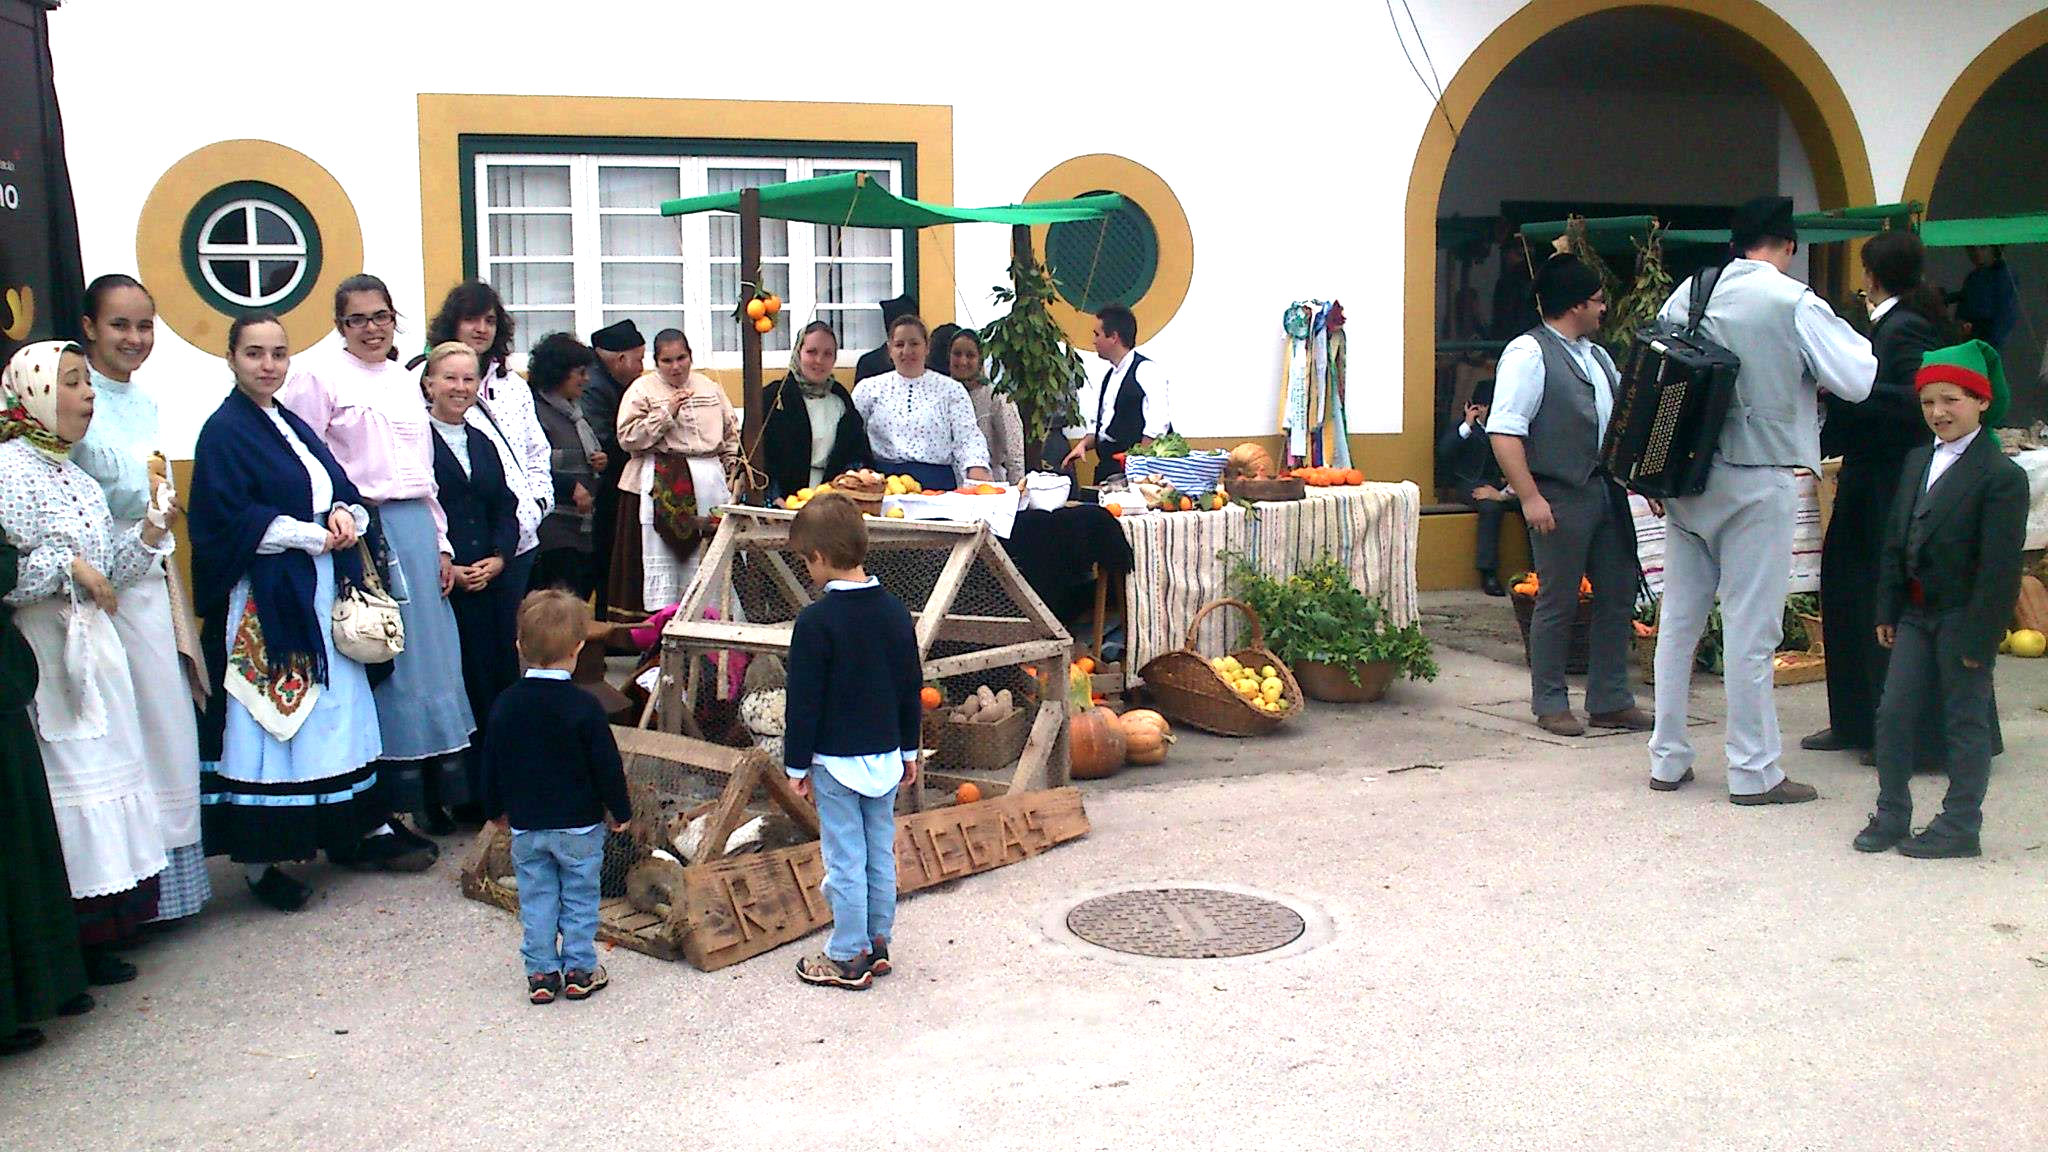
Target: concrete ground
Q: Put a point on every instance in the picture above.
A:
(1526, 949)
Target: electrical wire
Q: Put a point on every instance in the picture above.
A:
(1435, 92)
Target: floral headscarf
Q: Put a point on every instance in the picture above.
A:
(28, 396)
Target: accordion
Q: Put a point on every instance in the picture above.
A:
(1674, 397)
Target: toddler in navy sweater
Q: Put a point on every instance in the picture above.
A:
(851, 735)
(551, 774)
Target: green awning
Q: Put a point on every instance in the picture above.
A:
(2031, 228)
(1599, 228)
(1812, 230)
(853, 199)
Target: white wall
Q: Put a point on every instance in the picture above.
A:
(1234, 109)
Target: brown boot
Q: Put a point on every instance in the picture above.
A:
(1788, 791)
(1631, 719)
(1561, 724)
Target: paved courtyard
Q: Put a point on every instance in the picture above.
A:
(1514, 945)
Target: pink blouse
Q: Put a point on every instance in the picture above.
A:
(374, 420)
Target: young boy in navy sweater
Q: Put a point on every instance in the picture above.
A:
(551, 774)
(851, 735)
(1946, 589)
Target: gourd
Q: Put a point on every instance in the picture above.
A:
(1249, 459)
(1146, 735)
(1095, 743)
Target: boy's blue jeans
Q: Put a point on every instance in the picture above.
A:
(558, 872)
(858, 836)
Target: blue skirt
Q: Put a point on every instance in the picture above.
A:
(422, 707)
(934, 477)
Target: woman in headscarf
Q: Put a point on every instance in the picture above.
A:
(1002, 426)
(74, 564)
(685, 442)
(120, 331)
(290, 740)
(812, 432)
(483, 528)
(556, 370)
(920, 422)
(368, 412)
(42, 972)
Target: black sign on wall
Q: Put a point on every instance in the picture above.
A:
(42, 279)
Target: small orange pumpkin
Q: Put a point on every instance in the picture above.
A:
(930, 697)
(967, 793)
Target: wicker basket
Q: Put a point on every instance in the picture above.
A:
(1247, 488)
(1576, 655)
(1187, 690)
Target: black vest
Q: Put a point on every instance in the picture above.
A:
(1126, 423)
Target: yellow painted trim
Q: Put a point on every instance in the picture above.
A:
(2014, 45)
(1103, 172)
(446, 117)
(159, 233)
(1795, 73)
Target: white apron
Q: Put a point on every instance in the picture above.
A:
(163, 703)
(107, 815)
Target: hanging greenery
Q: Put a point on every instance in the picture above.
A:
(1638, 307)
(1034, 365)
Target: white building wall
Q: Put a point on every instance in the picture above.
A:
(1288, 141)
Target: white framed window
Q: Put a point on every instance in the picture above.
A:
(576, 242)
(252, 252)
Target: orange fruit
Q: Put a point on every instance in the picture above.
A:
(931, 698)
(1086, 664)
(967, 793)
(774, 303)
(764, 324)
(1187, 505)
(1115, 510)
(1353, 476)
(756, 308)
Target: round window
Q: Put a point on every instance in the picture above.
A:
(251, 245)
(1108, 261)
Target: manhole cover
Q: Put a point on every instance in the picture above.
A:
(1185, 923)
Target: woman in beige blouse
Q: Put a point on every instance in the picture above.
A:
(682, 414)
(994, 413)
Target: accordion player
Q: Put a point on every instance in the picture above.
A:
(1674, 397)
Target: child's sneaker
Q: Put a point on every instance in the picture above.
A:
(821, 969)
(581, 985)
(543, 987)
(878, 960)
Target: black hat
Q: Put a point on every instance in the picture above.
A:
(621, 337)
(904, 305)
(1761, 217)
(1563, 283)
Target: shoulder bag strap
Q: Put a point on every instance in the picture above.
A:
(1702, 289)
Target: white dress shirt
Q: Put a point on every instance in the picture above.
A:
(1877, 311)
(1837, 356)
(1518, 382)
(1946, 454)
(1090, 399)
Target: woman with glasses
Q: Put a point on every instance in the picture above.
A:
(367, 409)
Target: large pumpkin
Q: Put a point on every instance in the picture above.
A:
(1146, 735)
(1249, 459)
(1095, 743)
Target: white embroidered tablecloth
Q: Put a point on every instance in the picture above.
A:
(1806, 538)
(1179, 560)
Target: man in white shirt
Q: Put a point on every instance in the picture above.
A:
(1736, 535)
(1553, 392)
(1123, 411)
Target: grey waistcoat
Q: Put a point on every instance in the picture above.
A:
(1774, 420)
(1564, 437)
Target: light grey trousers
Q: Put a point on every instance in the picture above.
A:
(1734, 538)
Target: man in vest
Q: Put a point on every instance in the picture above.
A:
(1124, 410)
(1552, 394)
(1736, 536)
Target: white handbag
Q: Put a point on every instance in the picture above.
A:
(367, 625)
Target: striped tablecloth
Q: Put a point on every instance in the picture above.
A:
(1806, 539)
(1179, 564)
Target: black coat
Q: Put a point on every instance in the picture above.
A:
(1887, 425)
(1464, 463)
(873, 362)
(1961, 540)
(483, 517)
(786, 439)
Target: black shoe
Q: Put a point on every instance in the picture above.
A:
(1490, 584)
(543, 987)
(435, 821)
(1938, 841)
(23, 1040)
(1881, 834)
(466, 816)
(389, 852)
(1826, 740)
(1869, 758)
(78, 1005)
(103, 967)
(1657, 785)
(405, 834)
(281, 890)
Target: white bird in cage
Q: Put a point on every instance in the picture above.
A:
(764, 712)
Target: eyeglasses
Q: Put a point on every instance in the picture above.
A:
(358, 321)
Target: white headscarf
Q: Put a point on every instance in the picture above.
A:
(28, 396)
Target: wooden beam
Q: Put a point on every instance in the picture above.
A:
(683, 633)
(944, 589)
(746, 905)
(753, 408)
(1035, 767)
(987, 629)
(1021, 592)
(786, 577)
(732, 804)
(982, 661)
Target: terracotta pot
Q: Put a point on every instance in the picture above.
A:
(1332, 682)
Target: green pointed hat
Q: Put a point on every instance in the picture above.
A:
(1973, 366)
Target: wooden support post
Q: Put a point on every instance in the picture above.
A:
(943, 590)
(753, 408)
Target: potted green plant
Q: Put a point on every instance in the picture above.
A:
(1034, 366)
(1339, 642)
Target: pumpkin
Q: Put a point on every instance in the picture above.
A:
(1095, 743)
(1249, 459)
(930, 698)
(1146, 758)
(1138, 718)
(967, 793)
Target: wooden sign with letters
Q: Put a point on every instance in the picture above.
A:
(743, 906)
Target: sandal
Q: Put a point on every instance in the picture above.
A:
(824, 971)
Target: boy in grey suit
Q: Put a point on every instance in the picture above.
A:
(1950, 577)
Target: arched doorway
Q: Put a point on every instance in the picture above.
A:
(1981, 156)
(1740, 34)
